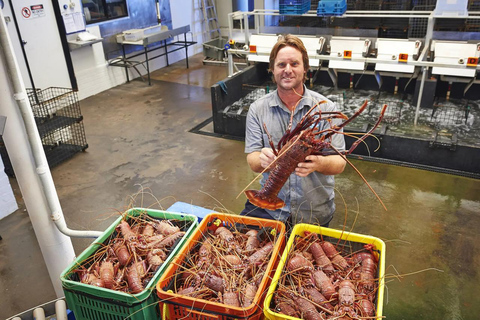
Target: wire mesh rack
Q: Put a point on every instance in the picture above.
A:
(473, 25)
(63, 143)
(397, 5)
(446, 116)
(59, 121)
(367, 5)
(418, 26)
(251, 93)
(474, 5)
(393, 113)
(54, 108)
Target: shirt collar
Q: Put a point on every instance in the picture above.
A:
(305, 102)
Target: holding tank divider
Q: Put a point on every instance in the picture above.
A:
(413, 135)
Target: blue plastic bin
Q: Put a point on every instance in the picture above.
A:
(183, 207)
(331, 7)
(294, 6)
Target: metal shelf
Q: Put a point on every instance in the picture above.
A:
(77, 44)
(46, 125)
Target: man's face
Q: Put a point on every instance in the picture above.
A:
(288, 69)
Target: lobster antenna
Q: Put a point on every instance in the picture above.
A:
(354, 135)
(361, 176)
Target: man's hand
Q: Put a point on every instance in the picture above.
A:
(259, 160)
(312, 163)
(266, 157)
(328, 165)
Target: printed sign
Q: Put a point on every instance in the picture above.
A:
(402, 57)
(37, 10)
(26, 13)
(34, 11)
(347, 54)
(472, 62)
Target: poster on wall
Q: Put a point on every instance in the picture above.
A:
(73, 18)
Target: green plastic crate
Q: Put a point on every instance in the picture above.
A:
(93, 303)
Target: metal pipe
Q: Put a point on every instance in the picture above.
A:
(247, 28)
(230, 26)
(420, 94)
(368, 60)
(19, 94)
(42, 168)
(159, 17)
(22, 45)
(429, 33)
(230, 65)
(369, 14)
(61, 310)
(39, 314)
(57, 249)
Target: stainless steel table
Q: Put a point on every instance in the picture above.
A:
(147, 42)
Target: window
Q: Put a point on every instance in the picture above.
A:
(103, 10)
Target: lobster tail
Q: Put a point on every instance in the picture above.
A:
(270, 203)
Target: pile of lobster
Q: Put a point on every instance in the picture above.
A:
(128, 260)
(318, 282)
(227, 266)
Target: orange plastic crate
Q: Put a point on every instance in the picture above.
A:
(177, 306)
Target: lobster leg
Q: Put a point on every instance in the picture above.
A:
(270, 140)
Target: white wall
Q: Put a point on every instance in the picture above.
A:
(92, 71)
(7, 200)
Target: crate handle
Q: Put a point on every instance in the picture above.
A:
(200, 313)
(108, 300)
(210, 313)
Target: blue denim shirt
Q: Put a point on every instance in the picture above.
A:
(309, 199)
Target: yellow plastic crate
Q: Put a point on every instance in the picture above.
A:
(352, 238)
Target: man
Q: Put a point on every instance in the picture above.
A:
(308, 193)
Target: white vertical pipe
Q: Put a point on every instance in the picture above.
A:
(39, 314)
(40, 161)
(57, 249)
(420, 94)
(230, 25)
(61, 310)
(247, 28)
(230, 65)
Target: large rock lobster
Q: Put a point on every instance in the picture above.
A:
(295, 145)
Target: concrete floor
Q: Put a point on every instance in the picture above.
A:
(138, 139)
